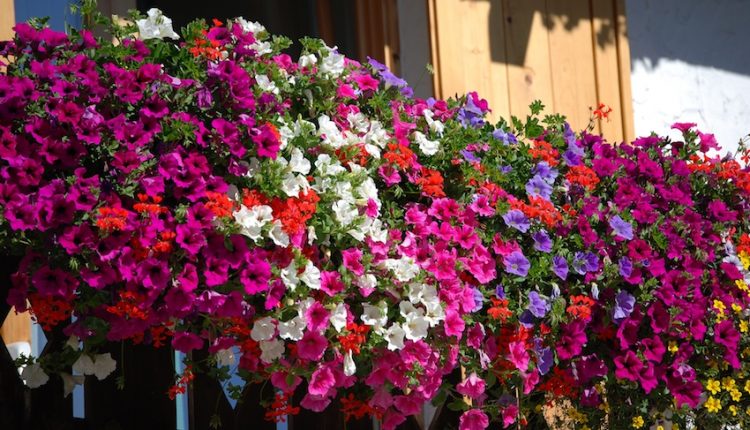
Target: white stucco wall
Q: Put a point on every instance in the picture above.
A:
(691, 63)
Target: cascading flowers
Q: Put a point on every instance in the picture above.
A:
(313, 223)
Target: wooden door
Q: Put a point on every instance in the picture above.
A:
(571, 54)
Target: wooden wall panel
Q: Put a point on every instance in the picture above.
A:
(528, 55)
(570, 54)
(607, 67)
(7, 19)
(468, 34)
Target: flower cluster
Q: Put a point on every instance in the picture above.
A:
(339, 236)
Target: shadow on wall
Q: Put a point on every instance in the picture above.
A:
(710, 33)
(562, 15)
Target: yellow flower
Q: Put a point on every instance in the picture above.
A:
(741, 285)
(719, 306)
(747, 385)
(638, 422)
(728, 383)
(736, 394)
(713, 386)
(743, 326)
(736, 308)
(713, 405)
(660, 427)
(745, 260)
(673, 346)
(733, 410)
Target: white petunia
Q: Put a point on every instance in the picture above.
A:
(250, 26)
(73, 342)
(333, 64)
(415, 328)
(395, 337)
(266, 84)
(434, 125)
(155, 26)
(435, 312)
(375, 316)
(311, 276)
(404, 268)
(292, 329)
(307, 60)
(263, 329)
(329, 132)
(349, 367)
(338, 317)
(326, 166)
(407, 310)
(34, 376)
(271, 350)
(225, 357)
(345, 212)
(84, 365)
(298, 163)
(289, 276)
(251, 221)
(278, 235)
(427, 146)
(104, 365)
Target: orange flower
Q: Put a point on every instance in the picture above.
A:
(580, 307)
(602, 112)
(399, 155)
(112, 219)
(544, 151)
(49, 311)
(431, 182)
(499, 309)
(582, 176)
(219, 204)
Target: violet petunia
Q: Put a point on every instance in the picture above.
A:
(624, 304)
(621, 227)
(560, 267)
(516, 219)
(542, 241)
(517, 264)
(538, 305)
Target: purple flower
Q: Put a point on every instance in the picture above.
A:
(504, 136)
(538, 306)
(560, 267)
(544, 360)
(500, 291)
(626, 267)
(592, 262)
(517, 220)
(538, 187)
(621, 227)
(544, 171)
(579, 263)
(542, 242)
(469, 156)
(517, 264)
(624, 303)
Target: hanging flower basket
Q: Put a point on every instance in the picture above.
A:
(312, 223)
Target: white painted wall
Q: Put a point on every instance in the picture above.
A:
(691, 63)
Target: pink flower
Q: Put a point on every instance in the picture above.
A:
(454, 324)
(510, 413)
(321, 381)
(317, 317)
(473, 386)
(518, 355)
(315, 403)
(473, 419)
(186, 342)
(353, 260)
(312, 346)
(628, 366)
